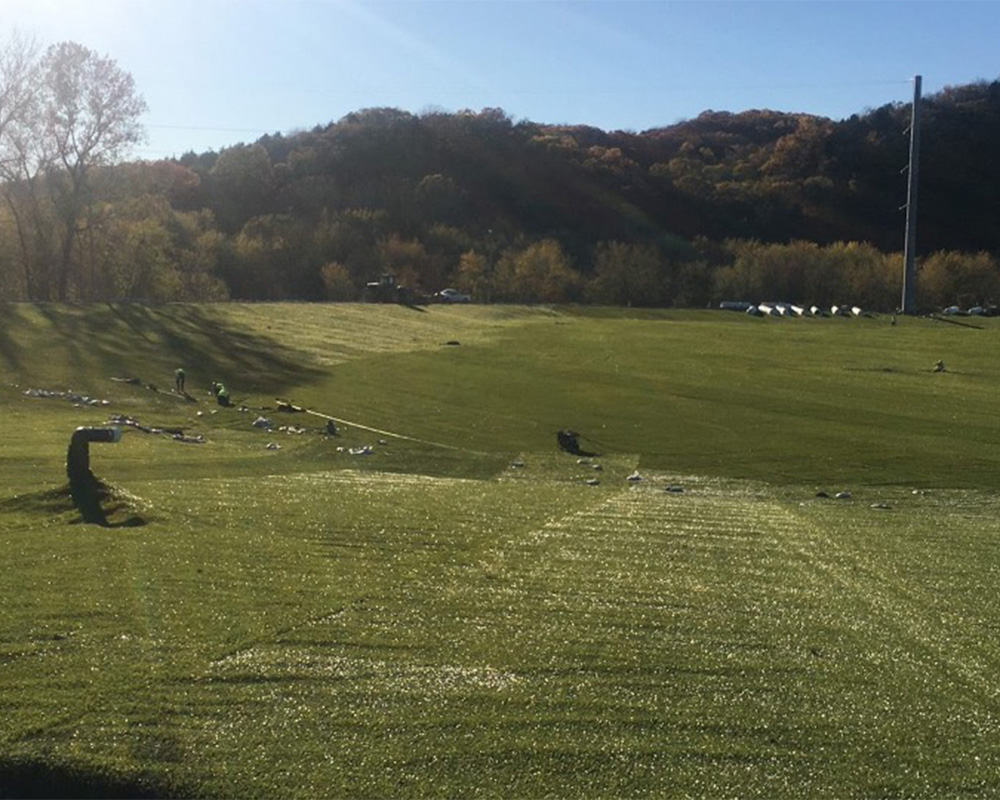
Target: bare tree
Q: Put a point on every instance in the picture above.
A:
(18, 112)
(89, 118)
(18, 92)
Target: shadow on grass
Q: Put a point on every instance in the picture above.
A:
(180, 334)
(101, 504)
(10, 351)
(23, 778)
(104, 505)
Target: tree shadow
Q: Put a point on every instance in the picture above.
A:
(178, 334)
(10, 351)
(29, 778)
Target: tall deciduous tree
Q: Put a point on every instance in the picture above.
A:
(90, 112)
(18, 110)
(243, 177)
(473, 275)
(18, 94)
(627, 274)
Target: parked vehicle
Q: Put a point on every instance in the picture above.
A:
(452, 296)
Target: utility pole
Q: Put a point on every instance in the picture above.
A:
(909, 250)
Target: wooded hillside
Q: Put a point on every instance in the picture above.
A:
(753, 206)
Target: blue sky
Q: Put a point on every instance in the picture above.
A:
(218, 72)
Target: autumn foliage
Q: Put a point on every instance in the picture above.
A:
(753, 206)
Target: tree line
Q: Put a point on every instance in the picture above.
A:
(755, 206)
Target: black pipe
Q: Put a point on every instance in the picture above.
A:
(84, 487)
(78, 455)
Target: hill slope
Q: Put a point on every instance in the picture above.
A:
(460, 609)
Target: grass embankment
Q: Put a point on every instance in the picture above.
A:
(429, 620)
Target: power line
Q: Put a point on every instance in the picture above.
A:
(206, 128)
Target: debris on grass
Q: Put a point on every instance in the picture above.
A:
(843, 495)
(177, 434)
(74, 397)
(133, 381)
(197, 439)
(635, 477)
(287, 407)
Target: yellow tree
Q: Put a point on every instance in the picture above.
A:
(473, 276)
(337, 282)
(541, 273)
(965, 279)
(406, 259)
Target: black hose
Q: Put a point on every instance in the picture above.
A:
(84, 487)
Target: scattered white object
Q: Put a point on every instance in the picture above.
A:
(261, 422)
(382, 442)
(879, 505)
(78, 400)
(598, 467)
(674, 489)
(517, 464)
(593, 482)
(635, 477)
(843, 495)
(367, 450)
(273, 446)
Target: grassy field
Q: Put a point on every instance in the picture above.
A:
(461, 611)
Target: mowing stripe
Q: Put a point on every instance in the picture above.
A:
(903, 606)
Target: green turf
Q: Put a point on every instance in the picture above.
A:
(459, 613)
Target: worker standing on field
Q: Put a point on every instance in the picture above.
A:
(179, 380)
